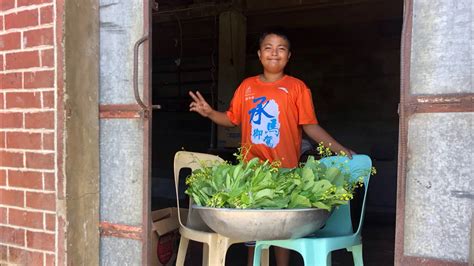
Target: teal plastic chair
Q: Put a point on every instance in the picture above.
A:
(337, 233)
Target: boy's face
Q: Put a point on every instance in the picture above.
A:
(274, 53)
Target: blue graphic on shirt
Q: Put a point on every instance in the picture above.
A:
(256, 113)
(265, 127)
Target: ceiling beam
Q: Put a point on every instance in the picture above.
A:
(254, 8)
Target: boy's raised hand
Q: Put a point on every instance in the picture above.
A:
(199, 104)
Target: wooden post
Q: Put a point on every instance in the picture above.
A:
(232, 44)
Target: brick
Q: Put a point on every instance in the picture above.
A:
(40, 120)
(12, 197)
(11, 120)
(3, 253)
(3, 177)
(11, 81)
(48, 141)
(2, 97)
(11, 159)
(10, 41)
(41, 201)
(41, 241)
(1, 22)
(46, 15)
(23, 100)
(27, 219)
(32, 2)
(20, 60)
(7, 4)
(2, 139)
(1, 55)
(24, 140)
(25, 179)
(48, 99)
(25, 257)
(47, 58)
(50, 260)
(10, 235)
(39, 79)
(21, 19)
(49, 182)
(39, 160)
(38, 37)
(50, 222)
(3, 215)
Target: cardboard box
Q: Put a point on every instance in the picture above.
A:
(165, 238)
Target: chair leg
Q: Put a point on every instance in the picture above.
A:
(183, 247)
(218, 251)
(261, 255)
(216, 257)
(205, 254)
(357, 255)
(317, 258)
(265, 261)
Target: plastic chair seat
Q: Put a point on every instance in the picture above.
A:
(215, 245)
(337, 234)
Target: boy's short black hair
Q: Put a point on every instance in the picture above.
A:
(277, 30)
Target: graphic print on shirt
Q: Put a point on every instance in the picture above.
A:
(265, 126)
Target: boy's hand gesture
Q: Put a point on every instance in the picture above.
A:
(199, 104)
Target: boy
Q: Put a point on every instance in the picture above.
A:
(273, 109)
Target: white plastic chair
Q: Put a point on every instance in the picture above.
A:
(214, 245)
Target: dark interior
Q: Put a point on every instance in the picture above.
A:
(347, 52)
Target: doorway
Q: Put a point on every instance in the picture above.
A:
(347, 52)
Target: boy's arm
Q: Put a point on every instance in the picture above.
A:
(220, 118)
(318, 134)
(200, 106)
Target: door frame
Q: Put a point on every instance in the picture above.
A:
(411, 104)
(140, 110)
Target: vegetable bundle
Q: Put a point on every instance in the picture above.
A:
(263, 185)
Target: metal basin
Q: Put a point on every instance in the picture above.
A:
(253, 224)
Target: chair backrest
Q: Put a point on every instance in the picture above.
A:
(339, 223)
(192, 160)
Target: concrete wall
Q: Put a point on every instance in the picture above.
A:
(81, 163)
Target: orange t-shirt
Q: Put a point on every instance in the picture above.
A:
(271, 115)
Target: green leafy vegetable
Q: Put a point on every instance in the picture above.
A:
(263, 185)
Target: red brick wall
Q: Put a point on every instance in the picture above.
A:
(28, 132)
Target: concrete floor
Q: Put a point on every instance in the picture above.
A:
(378, 241)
